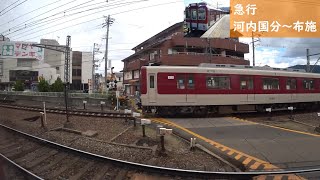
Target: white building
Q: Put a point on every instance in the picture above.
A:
(21, 61)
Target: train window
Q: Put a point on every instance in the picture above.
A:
(271, 83)
(201, 14)
(194, 14)
(190, 84)
(308, 84)
(218, 82)
(180, 82)
(151, 81)
(187, 13)
(246, 82)
(291, 84)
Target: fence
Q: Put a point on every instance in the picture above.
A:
(57, 94)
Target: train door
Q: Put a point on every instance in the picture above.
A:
(191, 95)
(251, 93)
(181, 89)
(152, 90)
(247, 87)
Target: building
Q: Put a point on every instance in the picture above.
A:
(21, 61)
(81, 70)
(171, 48)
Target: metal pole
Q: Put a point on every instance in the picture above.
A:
(308, 61)
(67, 60)
(109, 21)
(93, 66)
(67, 74)
(44, 112)
(66, 100)
(253, 49)
(162, 143)
(144, 130)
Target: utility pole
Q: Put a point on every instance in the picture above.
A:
(67, 74)
(218, 5)
(109, 21)
(67, 61)
(308, 61)
(93, 83)
(253, 49)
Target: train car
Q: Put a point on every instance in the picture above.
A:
(206, 89)
(201, 16)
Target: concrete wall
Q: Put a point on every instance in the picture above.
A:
(86, 67)
(8, 64)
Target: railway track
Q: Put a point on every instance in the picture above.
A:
(251, 114)
(42, 159)
(39, 158)
(70, 112)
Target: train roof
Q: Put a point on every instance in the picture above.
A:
(234, 69)
(202, 4)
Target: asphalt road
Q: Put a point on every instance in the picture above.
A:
(283, 148)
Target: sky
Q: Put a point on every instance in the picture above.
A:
(134, 22)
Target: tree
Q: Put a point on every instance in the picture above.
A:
(43, 86)
(57, 86)
(18, 86)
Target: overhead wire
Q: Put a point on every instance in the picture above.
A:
(132, 2)
(13, 7)
(103, 17)
(23, 23)
(29, 13)
(40, 21)
(9, 6)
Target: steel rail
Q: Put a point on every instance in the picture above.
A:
(165, 170)
(21, 168)
(72, 112)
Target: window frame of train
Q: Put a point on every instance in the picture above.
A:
(217, 80)
(246, 83)
(151, 82)
(188, 13)
(194, 16)
(269, 83)
(204, 12)
(308, 82)
(183, 81)
(291, 84)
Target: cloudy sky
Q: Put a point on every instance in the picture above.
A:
(134, 22)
